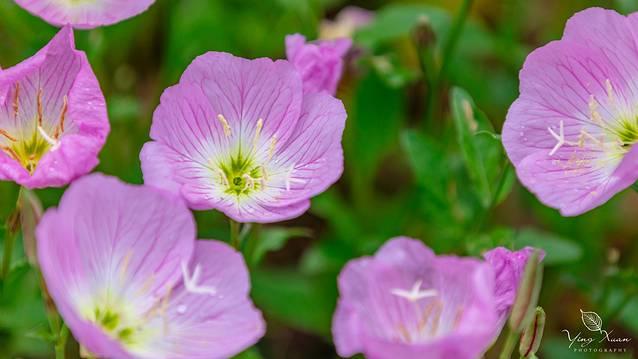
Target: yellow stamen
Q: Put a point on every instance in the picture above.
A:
(10, 152)
(224, 122)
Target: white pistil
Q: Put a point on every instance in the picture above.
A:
(560, 138)
(53, 142)
(191, 282)
(225, 125)
(415, 293)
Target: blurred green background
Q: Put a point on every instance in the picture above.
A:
(419, 160)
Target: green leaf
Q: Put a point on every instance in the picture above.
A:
(558, 250)
(372, 129)
(302, 301)
(274, 238)
(482, 154)
(428, 162)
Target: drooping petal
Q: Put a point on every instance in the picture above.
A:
(86, 14)
(51, 97)
(320, 64)
(111, 246)
(207, 325)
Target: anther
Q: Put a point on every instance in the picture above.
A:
(610, 90)
(16, 100)
(225, 125)
(60, 129)
(10, 152)
(39, 103)
(7, 135)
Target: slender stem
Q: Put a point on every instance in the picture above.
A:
(60, 345)
(495, 196)
(9, 238)
(12, 228)
(455, 34)
(508, 346)
(234, 233)
(432, 98)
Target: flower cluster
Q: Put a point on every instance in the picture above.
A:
(257, 139)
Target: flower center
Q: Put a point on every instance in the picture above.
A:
(35, 142)
(240, 175)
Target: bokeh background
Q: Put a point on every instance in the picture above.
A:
(416, 164)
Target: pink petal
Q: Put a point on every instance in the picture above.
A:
(85, 14)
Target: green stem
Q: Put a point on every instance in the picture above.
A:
(508, 346)
(455, 34)
(60, 345)
(234, 234)
(12, 228)
(448, 51)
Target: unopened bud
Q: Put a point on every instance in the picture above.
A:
(423, 34)
(531, 339)
(527, 295)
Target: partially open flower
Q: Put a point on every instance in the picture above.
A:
(242, 137)
(572, 131)
(53, 119)
(406, 302)
(85, 14)
(319, 63)
(122, 264)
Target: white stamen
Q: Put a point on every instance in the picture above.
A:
(271, 148)
(222, 175)
(46, 137)
(191, 282)
(250, 182)
(415, 293)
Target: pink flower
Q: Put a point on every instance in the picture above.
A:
(405, 302)
(320, 63)
(85, 14)
(240, 136)
(347, 21)
(571, 132)
(53, 120)
(122, 264)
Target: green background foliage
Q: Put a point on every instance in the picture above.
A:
(423, 158)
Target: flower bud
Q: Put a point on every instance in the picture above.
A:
(527, 295)
(531, 339)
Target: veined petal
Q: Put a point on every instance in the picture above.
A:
(86, 14)
(52, 116)
(205, 325)
(111, 251)
(244, 91)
